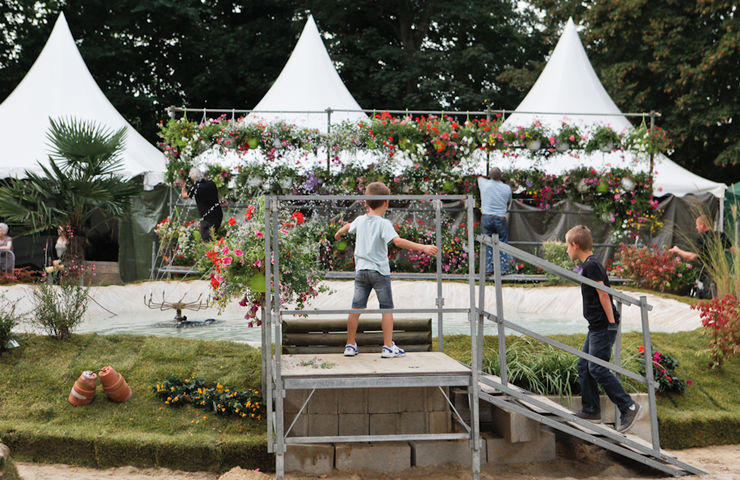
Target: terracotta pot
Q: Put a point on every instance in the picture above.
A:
(83, 391)
(114, 385)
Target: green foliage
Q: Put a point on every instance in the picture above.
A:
(603, 138)
(219, 399)
(80, 180)
(59, 309)
(664, 371)
(556, 252)
(8, 319)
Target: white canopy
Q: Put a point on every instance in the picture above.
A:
(60, 85)
(570, 91)
(308, 82)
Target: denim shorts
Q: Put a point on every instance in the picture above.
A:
(367, 280)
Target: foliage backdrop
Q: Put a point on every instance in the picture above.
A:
(680, 58)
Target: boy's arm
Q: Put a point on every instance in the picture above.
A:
(409, 245)
(606, 304)
(342, 231)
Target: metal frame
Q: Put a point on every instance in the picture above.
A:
(7, 260)
(275, 385)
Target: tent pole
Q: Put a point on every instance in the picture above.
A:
(488, 151)
(328, 143)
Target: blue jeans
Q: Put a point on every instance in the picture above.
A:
(368, 280)
(599, 344)
(489, 225)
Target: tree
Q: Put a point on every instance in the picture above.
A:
(79, 180)
(680, 58)
(427, 54)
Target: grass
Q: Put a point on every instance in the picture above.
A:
(38, 423)
(708, 413)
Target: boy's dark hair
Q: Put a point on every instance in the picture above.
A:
(581, 236)
(376, 188)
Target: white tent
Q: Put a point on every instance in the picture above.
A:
(569, 84)
(308, 83)
(60, 85)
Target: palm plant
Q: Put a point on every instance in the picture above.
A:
(80, 179)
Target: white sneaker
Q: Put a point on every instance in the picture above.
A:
(392, 352)
(350, 350)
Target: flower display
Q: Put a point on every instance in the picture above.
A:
(178, 241)
(664, 371)
(219, 399)
(655, 268)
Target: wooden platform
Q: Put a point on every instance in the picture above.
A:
(370, 365)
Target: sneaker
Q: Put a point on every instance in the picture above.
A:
(629, 418)
(593, 417)
(350, 350)
(392, 351)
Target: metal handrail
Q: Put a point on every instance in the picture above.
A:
(10, 260)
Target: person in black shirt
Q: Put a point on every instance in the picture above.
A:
(603, 322)
(706, 242)
(205, 194)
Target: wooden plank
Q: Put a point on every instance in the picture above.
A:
(322, 350)
(306, 325)
(370, 364)
(340, 339)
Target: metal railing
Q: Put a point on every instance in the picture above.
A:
(621, 298)
(7, 261)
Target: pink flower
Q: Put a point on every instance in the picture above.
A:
(226, 261)
(257, 263)
(238, 252)
(225, 251)
(258, 234)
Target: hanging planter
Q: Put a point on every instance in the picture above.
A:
(562, 147)
(534, 145)
(253, 142)
(257, 283)
(607, 147)
(604, 139)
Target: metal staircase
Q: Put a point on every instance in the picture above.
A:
(545, 411)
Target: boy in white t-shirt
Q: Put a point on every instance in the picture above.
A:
(373, 233)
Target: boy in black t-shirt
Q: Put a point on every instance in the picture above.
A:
(603, 322)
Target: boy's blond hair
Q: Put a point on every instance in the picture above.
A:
(581, 236)
(376, 188)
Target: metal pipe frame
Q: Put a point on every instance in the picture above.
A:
(277, 385)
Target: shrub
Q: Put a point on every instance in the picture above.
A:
(19, 275)
(664, 371)
(556, 252)
(722, 317)
(58, 309)
(8, 320)
(654, 268)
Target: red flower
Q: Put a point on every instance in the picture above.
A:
(298, 217)
(232, 221)
(214, 283)
(249, 212)
(641, 349)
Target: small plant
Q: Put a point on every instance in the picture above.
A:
(58, 309)
(604, 138)
(721, 316)
(567, 138)
(8, 320)
(556, 252)
(219, 399)
(664, 371)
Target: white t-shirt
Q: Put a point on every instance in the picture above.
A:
(371, 244)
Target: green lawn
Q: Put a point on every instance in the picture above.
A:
(38, 423)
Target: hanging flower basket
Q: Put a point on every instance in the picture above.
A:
(604, 138)
(257, 283)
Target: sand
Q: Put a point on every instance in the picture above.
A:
(583, 463)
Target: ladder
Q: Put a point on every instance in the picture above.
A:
(544, 411)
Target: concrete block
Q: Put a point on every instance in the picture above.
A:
(413, 422)
(384, 423)
(514, 427)
(323, 401)
(294, 400)
(300, 429)
(382, 400)
(500, 450)
(323, 424)
(439, 452)
(441, 422)
(411, 399)
(384, 457)
(309, 458)
(352, 400)
(436, 402)
(354, 424)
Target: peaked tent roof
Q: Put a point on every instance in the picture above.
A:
(568, 83)
(308, 82)
(60, 85)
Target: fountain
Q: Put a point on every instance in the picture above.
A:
(180, 320)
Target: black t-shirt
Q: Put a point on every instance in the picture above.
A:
(205, 194)
(707, 240)
(592, 309)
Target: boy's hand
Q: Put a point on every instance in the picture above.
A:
(430, 250)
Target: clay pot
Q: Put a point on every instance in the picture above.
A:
(115, 387)
(83, 391)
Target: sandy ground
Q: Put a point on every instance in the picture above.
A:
(583, 463)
